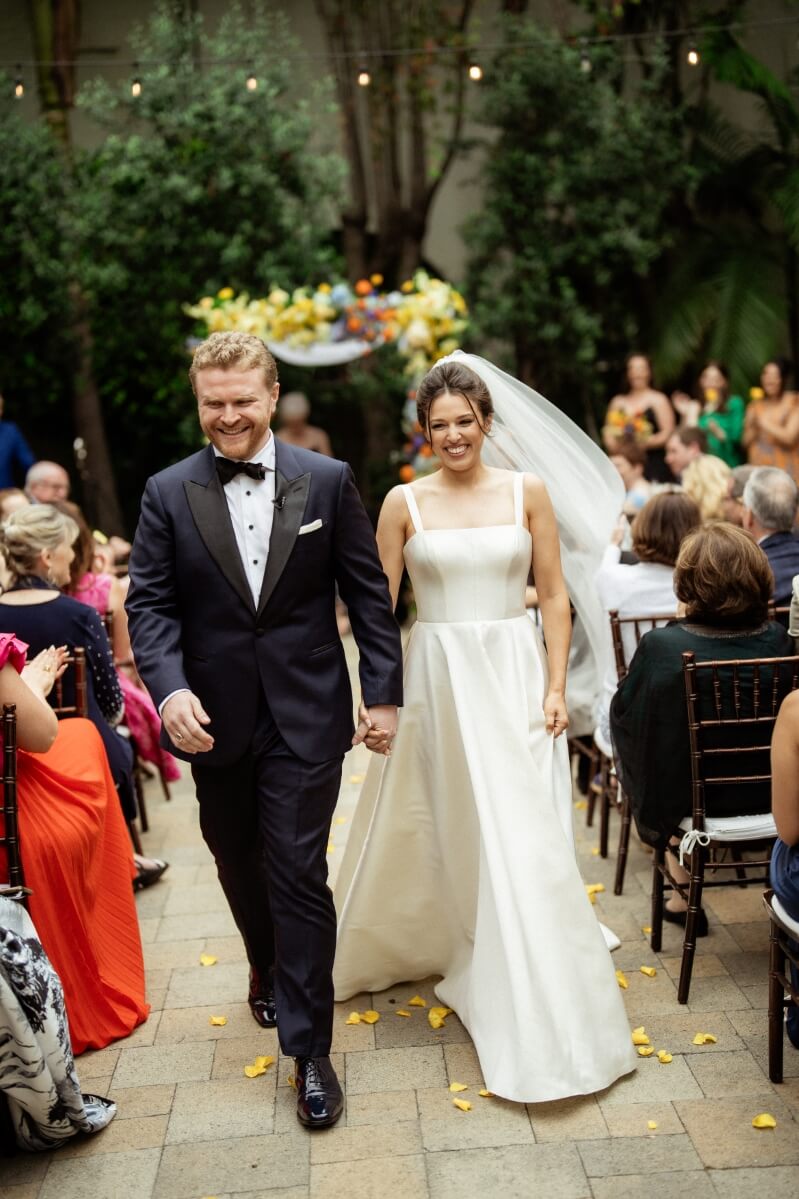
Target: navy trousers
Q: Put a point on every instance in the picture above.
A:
(784, 873)
(266, 820)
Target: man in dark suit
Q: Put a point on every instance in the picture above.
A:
(769, 514)
(232, 616)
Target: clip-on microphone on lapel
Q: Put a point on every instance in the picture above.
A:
(279, 502)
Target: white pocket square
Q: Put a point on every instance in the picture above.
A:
(311, 528)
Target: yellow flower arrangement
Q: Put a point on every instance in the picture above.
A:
(620, 425)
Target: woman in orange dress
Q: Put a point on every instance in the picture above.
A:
(76, 857)
(771, 428)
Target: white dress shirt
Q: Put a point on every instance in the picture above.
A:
(251, 506)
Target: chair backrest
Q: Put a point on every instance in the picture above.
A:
(732, 706)
(10, 837)
(638, 625)
(80, 705)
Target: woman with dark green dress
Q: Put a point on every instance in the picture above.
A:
(720, 414)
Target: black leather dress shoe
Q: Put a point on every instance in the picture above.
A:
(681, 917)
(320, 1100)
(262, 1002)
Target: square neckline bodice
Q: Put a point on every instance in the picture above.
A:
(516, 523)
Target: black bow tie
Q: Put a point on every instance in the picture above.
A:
(227, 469)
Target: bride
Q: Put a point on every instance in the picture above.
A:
(460, 860)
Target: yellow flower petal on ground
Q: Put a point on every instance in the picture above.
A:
(592, 897)
(264, 1062)
(356, 778)
(291, 1080)
(417, 1001)
(437, 1015)
(705, 1038)
(353, 1018)
(581, 804)
(594, 888)
(645, 1050)
(764, 1120)
(401, 1012)
(621, 979)
(455, 1087)
(208, 959)
(463, 1105)
(254, 1071)
(664, 1057)
(651, 1125)
(218, 1021)
(486, 1094)
(646, 929)
(649, 971)
(435, 1022)
(370, 1017)
(640, 1037)
(594, 851)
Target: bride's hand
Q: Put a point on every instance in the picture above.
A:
(555, 713)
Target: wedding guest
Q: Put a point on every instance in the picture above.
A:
(733, 501)
(46, 483)
(720, 414)
(724, 581)
(684, 445)
(14, 451)
(106, 594)
(11, 498)
(706, 480)
(784, 868)
(629, 458)
(771, 429)
(76, 855)
(769, 513)
(647, 588)
(643, 402)
(294, 411)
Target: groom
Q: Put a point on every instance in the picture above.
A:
(233, 622)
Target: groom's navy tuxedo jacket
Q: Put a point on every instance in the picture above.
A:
(193, 622)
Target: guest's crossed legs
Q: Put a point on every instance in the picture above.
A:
(266, 819)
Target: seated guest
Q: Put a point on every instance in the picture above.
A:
(733, 501)
(293, 412)
(46, 483)
(784, 869)
(36, 543)
(629, 458)
(724, 582)
(647, 588)
(684, 445)
(11, 498)
(769, 514)
(706, 480)
(76, 855)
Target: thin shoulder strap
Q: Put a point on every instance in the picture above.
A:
(413, 507)
(518, 498)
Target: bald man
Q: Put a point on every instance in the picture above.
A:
(294, 410)
(46, 483)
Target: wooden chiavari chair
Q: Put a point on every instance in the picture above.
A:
(783, 952)
(15, 887)
(80, 704)
(732, 707)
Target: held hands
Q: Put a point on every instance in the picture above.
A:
(555, 713)
(377, 728)
(42, 671)
(183, 716)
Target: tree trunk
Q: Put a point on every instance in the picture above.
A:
(56, 32)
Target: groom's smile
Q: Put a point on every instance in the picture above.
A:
(235, 408)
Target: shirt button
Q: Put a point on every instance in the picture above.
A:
(248, 493)
(251, 527)
(255, 561)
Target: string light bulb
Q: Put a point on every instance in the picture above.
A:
(252, 82)
(135, 87)
(19, 86)
(586, 65)
(693, 57)
(364, 78)
(475, 72)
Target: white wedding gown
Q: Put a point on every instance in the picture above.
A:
(460, 861)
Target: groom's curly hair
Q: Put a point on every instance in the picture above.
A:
(454, 378)
(226, 350)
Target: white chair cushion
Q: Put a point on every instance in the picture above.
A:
(736, 828)
(787, 920)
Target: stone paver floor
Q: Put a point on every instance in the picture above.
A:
(191, 1125)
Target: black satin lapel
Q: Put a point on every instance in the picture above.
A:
(285, 527)
(210, 511)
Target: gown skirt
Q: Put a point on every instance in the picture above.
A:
(460, 861)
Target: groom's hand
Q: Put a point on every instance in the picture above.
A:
(377, 728)
(183, 716)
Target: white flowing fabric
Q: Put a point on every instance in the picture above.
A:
(460, 861)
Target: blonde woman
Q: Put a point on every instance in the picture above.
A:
(706, 480)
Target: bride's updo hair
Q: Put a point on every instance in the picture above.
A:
(454, 378)
(30, 530)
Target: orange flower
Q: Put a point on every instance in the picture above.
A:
(426, 451)
(353, 325)
(407, 474)
(363, 287)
